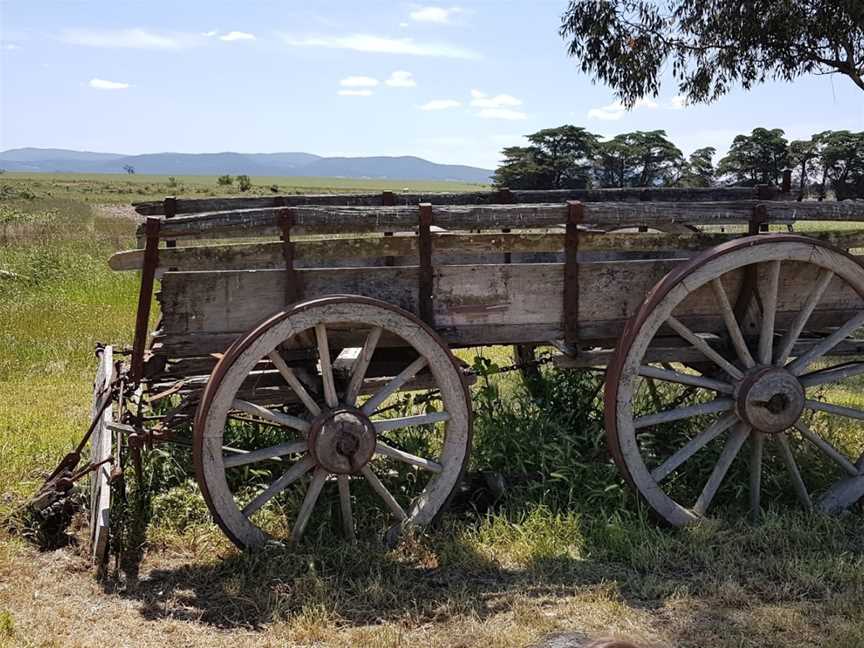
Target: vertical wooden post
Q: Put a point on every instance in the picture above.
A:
(425, 273)
(292, 285)
(169, 206)
(388, 199)
(786, 187)
(570, 310)
(145, 296)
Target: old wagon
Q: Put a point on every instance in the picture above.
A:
(308, 342)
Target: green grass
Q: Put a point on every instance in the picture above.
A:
(573, 551)
(123, 188)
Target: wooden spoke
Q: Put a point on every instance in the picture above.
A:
(832, 374)
(757, 440)
(291, 475)
(271, 416)
(703, 347)
(383, 425)
(792, 468)
(800, 364)
(693, 446)
(294, 382)
(395, 453)
(326, 367)
(724, 462)
(829, 450)
(361, 365)
(670, 375)
(769, 312)
(391, 387)
(243, 457)
(791, 336)
(383, 493)
(345, 505)
(732, 324)
(308, 505)
(716, 405)
(839, 410)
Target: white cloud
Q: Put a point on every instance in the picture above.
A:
(501, 113)
(431, 14)
(209, 33)
(678, 102)
(355, 93)
(383, 45)
(616, 110)
(401, 79)
(441, 104)
(358, 82)
(10, 46)
(102, 84)
(482, 100)
(135, 38)
(236, 36)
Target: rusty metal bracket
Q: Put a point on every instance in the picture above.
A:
(292, 279)
(145, 296)
(570, 312)
(425, 273)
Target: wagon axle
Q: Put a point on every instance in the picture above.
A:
(342, 440)
(771, 399)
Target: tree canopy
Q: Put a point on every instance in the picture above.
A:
(558, 158)
(571, 157)
(712, 46)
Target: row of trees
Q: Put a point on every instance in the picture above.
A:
(571, 157)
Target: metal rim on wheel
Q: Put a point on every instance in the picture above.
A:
(760, 385)
(335, 435)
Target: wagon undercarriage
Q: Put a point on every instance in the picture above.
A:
(331, 326)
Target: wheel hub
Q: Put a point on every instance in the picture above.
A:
(771, 399)
(342, 440)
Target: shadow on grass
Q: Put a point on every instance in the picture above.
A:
(721, 580)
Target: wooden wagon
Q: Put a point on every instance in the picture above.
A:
(309, 342)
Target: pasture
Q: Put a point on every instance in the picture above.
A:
(571, 551)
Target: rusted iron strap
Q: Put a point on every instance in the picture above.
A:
(145, 295)
(388, 199)
(292, 279)
(425, 274)
(575, 214)
(505, 197)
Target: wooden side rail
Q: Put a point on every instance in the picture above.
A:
(663, 194)
(344, 220)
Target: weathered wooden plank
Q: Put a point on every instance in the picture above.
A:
(100, 450)
(477, 304)
(315, 220)
(671, 194)
(252, 256)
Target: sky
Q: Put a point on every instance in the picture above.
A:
(453, 83)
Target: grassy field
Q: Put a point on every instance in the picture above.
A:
(574, 552)
(124, 189)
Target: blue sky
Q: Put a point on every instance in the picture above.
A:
(449, 82)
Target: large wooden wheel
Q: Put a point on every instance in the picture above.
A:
(742, 346)
(328, 428)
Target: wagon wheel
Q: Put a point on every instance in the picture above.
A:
(337, 432)
(774, 383)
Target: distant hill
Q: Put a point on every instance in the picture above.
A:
(36, 160)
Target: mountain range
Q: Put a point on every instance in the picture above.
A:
(41, 160)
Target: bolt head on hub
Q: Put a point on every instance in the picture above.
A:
(342, 440)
